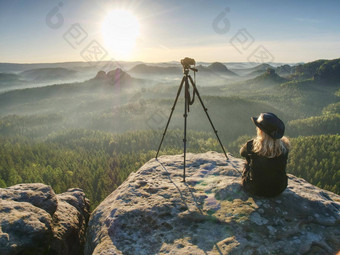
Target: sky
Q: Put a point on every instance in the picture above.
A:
(291, 31)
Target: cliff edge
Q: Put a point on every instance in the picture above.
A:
(34, 220)
(153, 212)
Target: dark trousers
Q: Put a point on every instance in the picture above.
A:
(258, 188)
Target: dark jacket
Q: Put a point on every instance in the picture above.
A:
(263, 176)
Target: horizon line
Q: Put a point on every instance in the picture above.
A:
(146, 62)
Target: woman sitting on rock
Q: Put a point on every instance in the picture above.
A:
(266, 157)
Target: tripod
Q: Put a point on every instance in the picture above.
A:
(185, 80)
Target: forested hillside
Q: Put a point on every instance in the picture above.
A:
(94, 161)
(99, 162)
(317, 160)
(229, 114)
(317, 125)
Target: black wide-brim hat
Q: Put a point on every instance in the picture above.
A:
(270, 124)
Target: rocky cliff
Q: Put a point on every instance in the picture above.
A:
(113, 76)
(34, 220)
(153, 212)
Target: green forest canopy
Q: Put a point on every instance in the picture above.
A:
(99, 162)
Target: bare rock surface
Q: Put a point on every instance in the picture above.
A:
(154, 212)
(34, 220)
(70, 222)
(39, 195)
(24, 228)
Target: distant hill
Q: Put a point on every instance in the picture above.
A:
(329, 72)
(78, 66)
(260, 69)
(10, 81)
(307, 71)
(100, 89)
(285, 70)
(269, 77)
(143, 69)
(9, 78)
(253, 71)
(46, 74)
(203, 70)
(221, 69)
(213, 69)
(322, 72)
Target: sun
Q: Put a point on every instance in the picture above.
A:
(120, 30)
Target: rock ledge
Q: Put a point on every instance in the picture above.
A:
(153, 212)
(34, 220)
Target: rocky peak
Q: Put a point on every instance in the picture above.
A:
(154, 212)
(263, 67)
(101, 75)
(113, 76)
(270, 71)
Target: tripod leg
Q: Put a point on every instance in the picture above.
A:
(186, 95)
(172, 110)
(206, 112)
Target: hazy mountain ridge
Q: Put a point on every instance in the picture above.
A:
(48, 74)
(9, 77)
(319, 70)
(97, 90)
(253, 71)
(11, 80)
(260, 84)
(307, 70)
(285, 70)
(222, 69)
(154, 70)
(329, 72)
(211, 74)
(269, 77)
(78, 66)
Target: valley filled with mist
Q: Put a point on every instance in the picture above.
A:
(90, 125)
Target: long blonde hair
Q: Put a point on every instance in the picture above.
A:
(266, 146)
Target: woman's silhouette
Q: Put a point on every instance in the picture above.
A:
(266, 157)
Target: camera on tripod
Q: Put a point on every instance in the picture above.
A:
(187, 62)
(186, 82)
